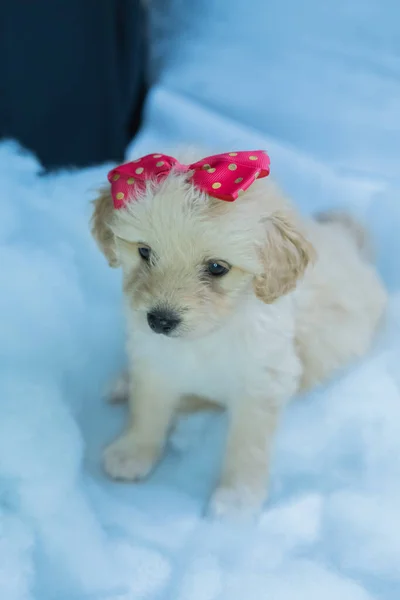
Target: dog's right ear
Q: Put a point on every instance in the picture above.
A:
(101, 226)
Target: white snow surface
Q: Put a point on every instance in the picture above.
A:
(318, 85)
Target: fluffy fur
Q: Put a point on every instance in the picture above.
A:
(300, 301)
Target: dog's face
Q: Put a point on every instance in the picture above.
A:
(189, 261)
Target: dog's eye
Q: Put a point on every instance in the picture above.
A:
(217, 269)
(144, 252)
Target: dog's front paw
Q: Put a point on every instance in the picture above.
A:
(126, 460)
(235, 504)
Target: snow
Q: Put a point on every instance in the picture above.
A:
(319, 88)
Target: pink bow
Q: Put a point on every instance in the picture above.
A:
(222, 176)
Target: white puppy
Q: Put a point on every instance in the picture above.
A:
(241, 303)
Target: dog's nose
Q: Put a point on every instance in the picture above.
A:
(163, 321)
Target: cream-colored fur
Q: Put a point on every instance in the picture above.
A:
(299, 303)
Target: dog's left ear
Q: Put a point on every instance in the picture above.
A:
(285, 257)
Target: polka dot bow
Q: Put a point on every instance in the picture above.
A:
(222, 176)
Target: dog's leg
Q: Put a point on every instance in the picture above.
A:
(152, 403)
(244, 480)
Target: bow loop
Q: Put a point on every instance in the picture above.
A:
(223, 176)
(226, 176)
(127, 179)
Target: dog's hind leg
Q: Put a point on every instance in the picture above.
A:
(118, 392)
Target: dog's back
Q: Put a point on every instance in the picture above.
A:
(341, 300)
(355, 229)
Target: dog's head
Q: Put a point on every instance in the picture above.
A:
(190, 260)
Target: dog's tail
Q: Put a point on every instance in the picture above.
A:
(353, 227)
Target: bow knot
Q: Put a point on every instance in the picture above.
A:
(222, 176)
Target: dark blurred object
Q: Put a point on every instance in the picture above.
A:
(72, 77)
